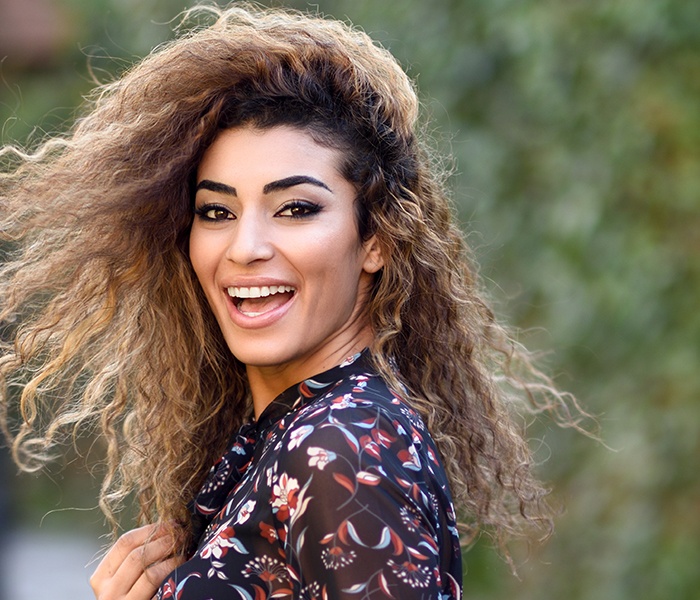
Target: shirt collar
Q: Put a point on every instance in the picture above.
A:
(301, 394)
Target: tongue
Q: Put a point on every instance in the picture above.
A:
(263, 305)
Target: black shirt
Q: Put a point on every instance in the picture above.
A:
(336, 492)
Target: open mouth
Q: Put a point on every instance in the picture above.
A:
(256, 301)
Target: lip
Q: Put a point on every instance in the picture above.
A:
(266, 319)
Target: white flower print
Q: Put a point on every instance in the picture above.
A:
(284, 496)
(311, 591)
(410, 518)
(320, 457)
(336, 557)
(244, 513)
(219, 545)
(345, 401)
(267, 568)
(298, 436)
(217, 476)
(238, 449)
(410, 573)
(271, 474)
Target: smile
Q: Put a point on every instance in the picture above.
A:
(258, 292)
(256, 301)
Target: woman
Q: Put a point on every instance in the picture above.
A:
(243, 256)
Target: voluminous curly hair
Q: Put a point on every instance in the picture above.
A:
(105, 327)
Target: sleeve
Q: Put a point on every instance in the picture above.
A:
(359, 517)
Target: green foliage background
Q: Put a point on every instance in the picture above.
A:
(575, 127)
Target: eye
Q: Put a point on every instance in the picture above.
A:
(213, 212)
(298, 209)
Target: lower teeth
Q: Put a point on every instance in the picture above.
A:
(266, 306)
(247, 314)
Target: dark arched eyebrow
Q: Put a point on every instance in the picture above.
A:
(273, 186)
(215, 186)
(287, 182)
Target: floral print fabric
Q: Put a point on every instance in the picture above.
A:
(336, 492)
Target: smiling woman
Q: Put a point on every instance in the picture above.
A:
(255, 267)
(274, 211)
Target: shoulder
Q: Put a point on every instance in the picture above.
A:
(360, 394)
(364, 422)
(357, 403)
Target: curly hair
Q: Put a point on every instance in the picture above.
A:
(105, 328)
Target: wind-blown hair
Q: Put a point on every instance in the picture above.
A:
(105, 327)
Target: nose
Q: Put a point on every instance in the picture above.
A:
(250, 240)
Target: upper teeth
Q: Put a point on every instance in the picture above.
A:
(258, 292)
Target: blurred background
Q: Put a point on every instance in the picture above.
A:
(575, 129)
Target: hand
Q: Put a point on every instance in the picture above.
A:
(136, 565)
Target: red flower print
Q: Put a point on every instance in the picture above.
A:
(370, 446)
(171, 589)
(219, 545)
(345, 401)
(268, 532)
(336, 557)
(284, 497)
(168, 589)
(412, 574)
(266, 568)
(383, 438)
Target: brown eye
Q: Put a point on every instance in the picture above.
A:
(214, 213)
(217, 214)
(298, 209)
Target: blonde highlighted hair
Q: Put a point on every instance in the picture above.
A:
(105, 327)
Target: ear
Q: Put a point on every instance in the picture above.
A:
(374, 260)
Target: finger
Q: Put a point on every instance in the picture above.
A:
(139, 559)
(129, 548)
(125, 545)
(151, 579)
(157, 572)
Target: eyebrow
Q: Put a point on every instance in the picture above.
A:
(273, 186)
(215, 186)
(287, 182)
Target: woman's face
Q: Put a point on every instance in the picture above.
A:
(276, 249)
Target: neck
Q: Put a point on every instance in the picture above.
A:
(268, 382)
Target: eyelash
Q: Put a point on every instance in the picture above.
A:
(202, 211)
(308, 208)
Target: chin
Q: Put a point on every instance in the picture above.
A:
(261, 356)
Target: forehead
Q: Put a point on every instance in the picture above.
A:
(278, 151)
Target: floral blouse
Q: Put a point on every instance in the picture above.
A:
(337, 491)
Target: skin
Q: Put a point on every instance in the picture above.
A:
(136, 565)
(271, 209)
(274, 209)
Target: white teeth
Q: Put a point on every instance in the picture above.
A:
(258, 292)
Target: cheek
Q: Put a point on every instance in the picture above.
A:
(338, 266)
(201, 255)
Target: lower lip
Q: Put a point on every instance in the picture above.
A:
(259, 321)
